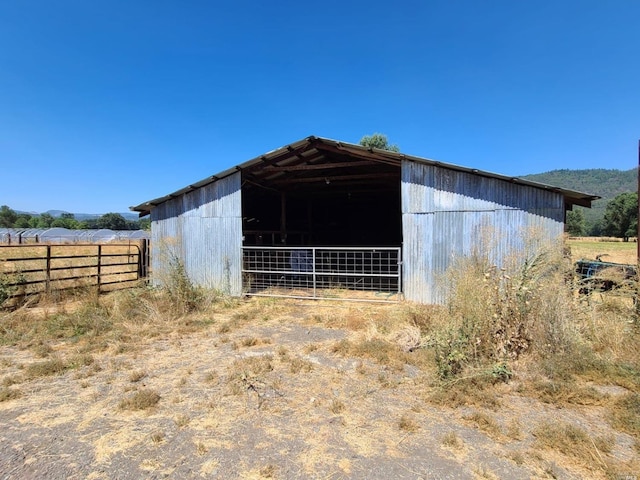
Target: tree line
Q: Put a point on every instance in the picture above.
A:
(113, 221)
(620, 219)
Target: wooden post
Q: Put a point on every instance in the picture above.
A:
(309, 238)
(283, 218)
(638, 245)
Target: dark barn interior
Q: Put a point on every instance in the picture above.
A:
(322, 195)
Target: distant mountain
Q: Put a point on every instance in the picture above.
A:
(606, 183)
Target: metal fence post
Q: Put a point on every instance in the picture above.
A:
(47, 285)
(313, 267)
(99, 266)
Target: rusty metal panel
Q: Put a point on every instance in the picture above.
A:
(203, 229)
(447, 214)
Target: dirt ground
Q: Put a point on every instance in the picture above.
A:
(272, 397)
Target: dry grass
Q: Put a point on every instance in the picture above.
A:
(562, 392)
(472, 390)
(55, 366)
(249, 373)
(486, 423)
(182, 420)
(65, 261)
(157, 436)
(9, 394)
(297, 365)
(377, 349)
(625, 414)
(268, 471)
(575, 442)
(137, 375)
(337, 406)
(408, 423)
(451, 440)
(397, 370)
(140, 400)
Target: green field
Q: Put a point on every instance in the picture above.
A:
(611, 251)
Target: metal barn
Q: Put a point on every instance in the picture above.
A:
(320, 215)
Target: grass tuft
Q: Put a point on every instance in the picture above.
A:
(268, 471)
(182, 420)
(566, 392)
(473, 390)
(336, 406)
(47, 368)
(140, 400)
(451, 440)
(137, 375)
(625, 414)
(575, 442)
(297, 365)
(408, 423)
(7, 394)
(248, 372)
(157, 436)
(486, 423)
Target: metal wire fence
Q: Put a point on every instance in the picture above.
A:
(314, 272)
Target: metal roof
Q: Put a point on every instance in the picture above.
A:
(313, 159)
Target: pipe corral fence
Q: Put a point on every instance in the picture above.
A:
(368, 274)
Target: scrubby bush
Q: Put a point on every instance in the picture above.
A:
(182, 293)
(496, 314)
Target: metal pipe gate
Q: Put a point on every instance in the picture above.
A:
(370, 274)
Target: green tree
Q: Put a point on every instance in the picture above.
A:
(378, 140)
(22, 221)
(113, 221)
(66, 220)
(575, 225)
(44, 220)
(144, 224)
(621, 216)
(7, 217)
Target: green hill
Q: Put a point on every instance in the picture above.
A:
(606, 183)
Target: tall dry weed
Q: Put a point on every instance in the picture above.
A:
(528, 305)
(496, 313)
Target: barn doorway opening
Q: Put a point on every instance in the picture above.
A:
(338, 210)
(322, 217)
(322, 197)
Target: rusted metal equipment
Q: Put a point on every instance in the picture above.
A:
(599, 276)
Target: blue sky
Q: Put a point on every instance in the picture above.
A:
(106, 104)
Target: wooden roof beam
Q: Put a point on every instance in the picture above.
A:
(334, 178)
(366, 155)
(319, 166)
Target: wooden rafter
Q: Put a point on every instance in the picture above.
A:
(359, 154)
(318, 166)
(332, 178)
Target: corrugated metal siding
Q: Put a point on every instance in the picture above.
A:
(203, 228)
(446, 214)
